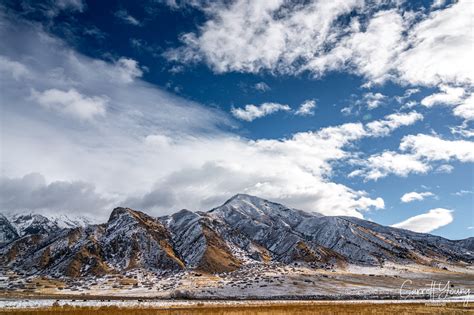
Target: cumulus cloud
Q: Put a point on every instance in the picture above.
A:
(306, 108)
(419, 151)
(456, 97)
(380, 165)
(433, 148)
(447, 96)
(466, 109)
(71, 103)
(414, 196)
(251, 112)
(427, 222)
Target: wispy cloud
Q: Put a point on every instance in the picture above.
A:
(262, 87)
(125, 17)
(306, 108)
(251, 112)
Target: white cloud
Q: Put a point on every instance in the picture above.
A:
(72, 103)
(433, 148)
(463, 192)
(407, 94)
(418, 152)
(438, 3)
(370, 52)
(128, 69)
(252, 36)
(146, 124)
(462, 130)
(380, 165)
(393, 121)
(373, 100)
(262, 87)
(378, 40)
(439, 52)
(457, 97)
(251, 112)
(306, 108)
(414, 196)
(14, 68)
(427, 222)
(445, 168)
(447, 96)
(466, 109)
(125, 17)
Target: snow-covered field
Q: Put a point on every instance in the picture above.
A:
(256, 282)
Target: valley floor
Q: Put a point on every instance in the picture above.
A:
(400, 284)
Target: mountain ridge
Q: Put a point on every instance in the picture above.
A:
(244, 230)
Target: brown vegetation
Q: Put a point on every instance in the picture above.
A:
(217, 257)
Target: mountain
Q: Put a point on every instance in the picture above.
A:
(32, 223)
(245, 230)
(7, 230)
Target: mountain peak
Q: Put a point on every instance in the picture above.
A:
(118, 212)
(245, 198)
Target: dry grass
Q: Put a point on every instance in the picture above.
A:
(262, 309)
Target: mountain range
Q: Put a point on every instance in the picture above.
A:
(244, 230)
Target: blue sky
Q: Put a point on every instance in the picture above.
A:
(165, 105)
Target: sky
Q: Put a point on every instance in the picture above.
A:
(345, 107)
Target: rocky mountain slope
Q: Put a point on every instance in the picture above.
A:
(244, 230)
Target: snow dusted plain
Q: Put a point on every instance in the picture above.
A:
(251, 284)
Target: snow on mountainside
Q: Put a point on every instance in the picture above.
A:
(33, 223)
(244, 231)
(7, 231)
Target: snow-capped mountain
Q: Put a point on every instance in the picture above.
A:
(34, 223)
(244, 230)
